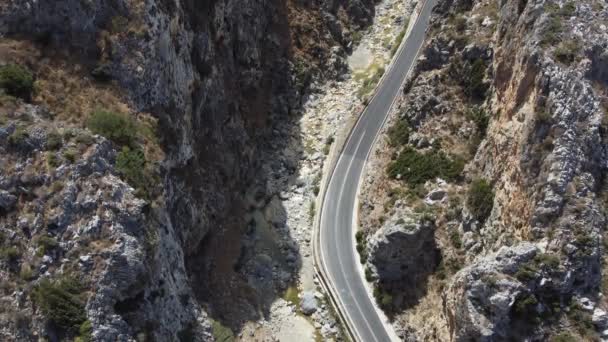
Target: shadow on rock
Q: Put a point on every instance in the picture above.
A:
(402, 255)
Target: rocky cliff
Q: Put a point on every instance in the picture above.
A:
(146, 231)
(507, 108)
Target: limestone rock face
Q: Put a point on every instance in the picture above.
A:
(402, 249)
(535, 130)
(479, 298)
(222, 78)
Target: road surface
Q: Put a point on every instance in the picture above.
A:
(339, 260)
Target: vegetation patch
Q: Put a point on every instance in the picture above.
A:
(361, 239)
(292, 295)
(563, 337)
(371, 76)
(18, 138)
(416, 167)
(567, 51)
(551, 33)
(473, 80)
(530, 270)
(10, 253)
(383, 298)
(481, 120)
(582, 321)
(399, 38)
(480, 199)
(84, 332)
(62, 301)
(525, 308)
(46, 244)
(131, 164)
(70, 155)
(399, 133)
(221, 333)
(328, 142)
(54, 141)
(16, 81)
(456, 239)
(119, 128)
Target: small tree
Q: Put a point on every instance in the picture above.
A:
(480, 199)
(16, 81)
(62, 302)
(131, 163)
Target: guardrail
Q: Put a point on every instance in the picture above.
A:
(328, 170)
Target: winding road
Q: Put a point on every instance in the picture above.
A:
(339, 262)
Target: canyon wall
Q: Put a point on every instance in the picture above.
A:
(507, 109)
(206, 88)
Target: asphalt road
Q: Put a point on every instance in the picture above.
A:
(337, 251)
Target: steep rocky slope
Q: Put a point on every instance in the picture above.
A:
(499, 140)
(197, 90)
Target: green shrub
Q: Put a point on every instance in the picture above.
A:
(356, 37)
(70, 155)
(57, 186)
(54, 141)
(460, 23)
(16, 81)
(417, 168)
(62, 302)
(119, 128)
(84, 332)
(525, 307)
(480, 199)
(311, 210)
(568, 9)
(221, 333)
(370, 83)
(85, 139)
(530, 269)
(26, 272)
(543, 117)
(52, 161)
(328, 143)
(474, 85)
(563, 337)
(132, 166)
(46, 243)
(399, 133)
(481, 120)
(10, 253)
(551, 33)
(526, 272)
(399, 39)
(369, 276)
(581, 320)
(383, 298)
(551, 261)
(18, 137)
(455, 239)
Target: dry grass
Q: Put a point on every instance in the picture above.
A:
(62, 85)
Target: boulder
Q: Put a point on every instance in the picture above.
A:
(308, 303)
(402, 248)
